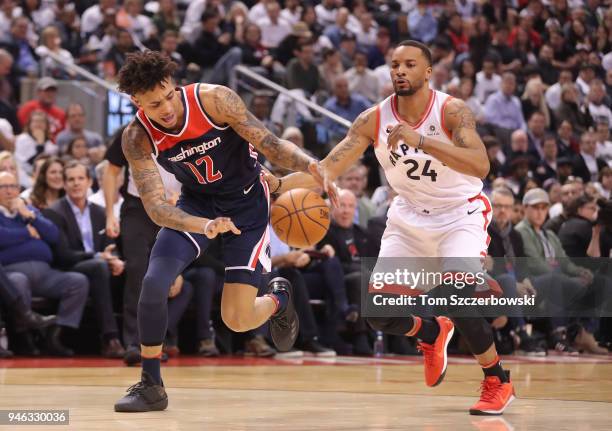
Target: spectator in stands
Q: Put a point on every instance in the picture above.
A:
(115, 58)
(533, 100)
(361, 79)
(570, 191)
(518, 170)
(586, 164)
(326, 13)
(20, 47)
(568, 145)
(8, 163)
(439, 78)
(366, 31)
(25, 248)
(75, 116)
(551, 272)
(503, 108)
(46, 91)
(547, 166)
(344, 103)
(455, 33)
(289, 263)
(506, 248)
(330, 68)
(553, 93)
(69, 26)
(48, 184)
(167, 17)
(493, 147)
(422, 23)
(8, 79)
(598, 110)
(83, 249)
(536, 131)
(50, 42)
(335, 31)
(35, 140)
(604, 144)
(7, 136)
(519, 147)
(355, 179)
(604, 186)
(130, 17)
(302, 73)
(487, 80)
(93, 17)
(571, 110)
(466, 93)
(548, 71)
(585, 76)
(276, 28)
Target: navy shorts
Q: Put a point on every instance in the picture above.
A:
(246, 256)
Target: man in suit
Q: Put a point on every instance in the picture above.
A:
(586, 164)
(84, 248)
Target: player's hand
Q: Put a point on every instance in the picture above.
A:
(322, 177)
(112, 227)
(214, 227)
(402, 132)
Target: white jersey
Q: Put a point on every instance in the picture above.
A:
(421, 180)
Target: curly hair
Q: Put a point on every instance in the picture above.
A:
(143, 71)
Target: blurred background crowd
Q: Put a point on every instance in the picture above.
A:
(74, 237)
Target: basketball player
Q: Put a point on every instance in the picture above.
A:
(203, 135)
(426, 141)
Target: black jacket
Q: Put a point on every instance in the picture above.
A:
(70, 250)
(350, 245)
(581, 170)
(497, 252)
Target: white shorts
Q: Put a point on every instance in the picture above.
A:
(454, 240)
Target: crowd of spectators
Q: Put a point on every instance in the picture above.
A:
(536, 73)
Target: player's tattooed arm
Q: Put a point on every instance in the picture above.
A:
(468, 154)
(226, 107)
(346, 153)
(137, 149)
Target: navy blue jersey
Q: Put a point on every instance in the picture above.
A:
(205, 157)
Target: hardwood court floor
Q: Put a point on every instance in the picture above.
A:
(555, 393)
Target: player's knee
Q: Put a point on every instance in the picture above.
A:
(234, 319)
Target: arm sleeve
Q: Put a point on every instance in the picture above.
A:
(45, 227)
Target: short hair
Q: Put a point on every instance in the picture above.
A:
(416, 44)
(574, 205)
(605, 171)
(490, 141)
(143, 71)
(502, 191)
(75, 164)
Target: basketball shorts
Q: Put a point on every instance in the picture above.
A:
(453, 240)
(247, 255)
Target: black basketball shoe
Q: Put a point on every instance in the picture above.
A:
(144, 396)
(284, 326)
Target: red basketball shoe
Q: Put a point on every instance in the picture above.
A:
(495, 396)
(435, 354)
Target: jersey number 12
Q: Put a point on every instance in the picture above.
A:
(211, 175)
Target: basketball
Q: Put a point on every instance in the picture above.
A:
(300, 218)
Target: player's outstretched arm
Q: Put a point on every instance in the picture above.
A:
(137, 150)
(342, 156)
(227, 107)
(468, 155)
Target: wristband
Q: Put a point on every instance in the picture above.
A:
(421, 142)
(206, 225)
(280, 183)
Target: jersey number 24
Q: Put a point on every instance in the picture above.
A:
(413, 166)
